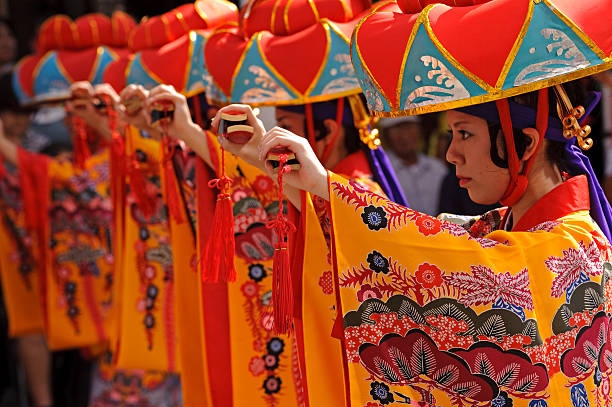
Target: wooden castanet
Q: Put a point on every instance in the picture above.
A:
(234, 126)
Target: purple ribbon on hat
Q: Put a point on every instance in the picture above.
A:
(384, 175)
(577, 163)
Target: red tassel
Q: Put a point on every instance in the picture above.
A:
(117, 160)
(171, 189)
(138, 187)
(205, 206)
(35, 195)
(220, 249)
(282, 290)
(81, 150)
(2, 168)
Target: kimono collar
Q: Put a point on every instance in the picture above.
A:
(355, 165)
(571, 196)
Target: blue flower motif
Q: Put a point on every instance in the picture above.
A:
(380, 392)
(374, 217)
(378, 262)
(152, 291)
(597, 376)
(502, 400)
(257, 272)
(70, 287)
(275, 346)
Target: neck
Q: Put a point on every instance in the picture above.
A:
(337, 154)
(542, 179)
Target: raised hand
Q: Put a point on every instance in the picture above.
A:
(82, 105)
(311, 176)
(181, 123)
(131, 96)
(249, 151)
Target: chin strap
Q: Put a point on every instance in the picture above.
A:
(518, 179)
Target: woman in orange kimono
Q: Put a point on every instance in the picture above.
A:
(142, 374)
(19, 261)
(509, 309)
(71, 211)
(266, 362)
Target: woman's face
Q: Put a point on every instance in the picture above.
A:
(8, 45)
(469, 151)
(295, 123)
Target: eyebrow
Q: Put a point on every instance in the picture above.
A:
(278, 119)
(458, 123)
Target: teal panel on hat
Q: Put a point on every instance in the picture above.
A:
(429, 78)
(22, 96)
(195, 75)
(256, 83)
(49, 80)
(550, 48)
(338, 75)
(213, 92)
(105, 57)
(138, 75)
(375, 99)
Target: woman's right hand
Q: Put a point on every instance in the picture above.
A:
(181, 125)
(311, 176)
(140, 119)
(249, 151)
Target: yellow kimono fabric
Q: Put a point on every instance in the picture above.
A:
(320, 352)
(79, 262)
(476, 316)
(194, 384)
(264, 367)
(18, 261)
(146, 335)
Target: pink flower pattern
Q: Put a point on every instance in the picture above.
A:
(484, 286)
(585, 259)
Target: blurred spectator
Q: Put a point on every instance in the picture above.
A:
(8, 46)
(419, 174)
(32, 349)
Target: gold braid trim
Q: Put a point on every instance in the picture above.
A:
(569, 116)
(364, 123)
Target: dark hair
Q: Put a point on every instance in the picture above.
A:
(9, 24)
(554, 149)
(352, 141)
(9, 101)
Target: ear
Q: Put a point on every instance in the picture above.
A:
(534, 137)
(331, 126)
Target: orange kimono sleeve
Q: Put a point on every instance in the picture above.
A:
(146, 337)
(79, 263)
(435, 314)
(19, 269)
(189, 322)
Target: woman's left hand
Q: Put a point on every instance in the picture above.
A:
(311, 176)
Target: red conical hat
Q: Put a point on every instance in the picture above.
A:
(149, 66)
(415, 62)
(157, 31)
(70, 52)
(286, 52)
(60, 32)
